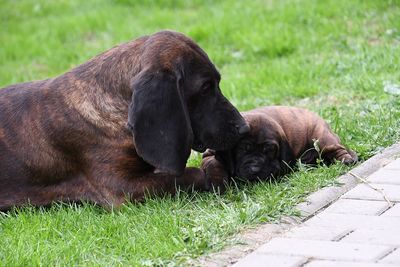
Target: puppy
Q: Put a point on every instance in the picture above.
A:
(115, 127)
(278, 136)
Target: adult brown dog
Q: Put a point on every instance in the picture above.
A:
(70, 138)
(278, 136)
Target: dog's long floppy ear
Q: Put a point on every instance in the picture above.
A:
(160, 122)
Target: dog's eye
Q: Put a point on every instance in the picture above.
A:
(206, 88)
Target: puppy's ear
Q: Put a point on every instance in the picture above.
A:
(160, 122)
(285, 152)
(226, 158)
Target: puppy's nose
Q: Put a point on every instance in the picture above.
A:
(255, 169)
(243, 128)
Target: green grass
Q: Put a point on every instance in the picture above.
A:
(332, 56)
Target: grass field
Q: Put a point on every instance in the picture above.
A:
(334, 57)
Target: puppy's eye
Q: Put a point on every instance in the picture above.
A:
(248, 147)
(266, 148)
(270, 149)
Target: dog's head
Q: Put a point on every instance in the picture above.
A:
(177, 104)
(262, 153)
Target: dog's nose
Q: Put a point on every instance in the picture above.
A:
(255, 169)
(243, 129)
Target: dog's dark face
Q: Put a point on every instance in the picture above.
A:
(177, 104)
(261, 154)
(215, 122)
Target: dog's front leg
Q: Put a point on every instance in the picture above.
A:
(156, 184)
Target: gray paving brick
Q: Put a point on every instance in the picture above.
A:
(317, 233)
(356, 230)
(389, 236)
(394, 165)
(384, 176)
(364, 191)
(393, 258)
(263, 233)
(356, 206)
(262, 260)
(393, 211)
(326, 219)
(328, 263)
(323, 249)
(321, 198)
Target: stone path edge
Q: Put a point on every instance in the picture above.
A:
(251, 239)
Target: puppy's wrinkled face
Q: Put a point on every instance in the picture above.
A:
(256, 159)
(260, 154)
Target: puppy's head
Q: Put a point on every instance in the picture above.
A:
(261, 154)
(177, 104)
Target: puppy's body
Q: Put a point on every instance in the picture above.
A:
(300, 128)
(67, 138)
(279, 136)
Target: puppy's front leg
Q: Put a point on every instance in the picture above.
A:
(332, 149)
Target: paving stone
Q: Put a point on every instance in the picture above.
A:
(262, 260)
(393, 211)
(393, 258)
(356, 206)
(353, 221)
(317, 233)
(394, 165)
(263, 233)
(321, 198)
(328, 263)
(390, 236)
(323, 249)
(347, 233)
(364, 191)
(384, 176)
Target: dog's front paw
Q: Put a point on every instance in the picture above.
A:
(216, 175)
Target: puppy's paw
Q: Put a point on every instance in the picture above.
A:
(339, 153)
(350, 158)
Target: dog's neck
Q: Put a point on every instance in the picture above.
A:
(112, 71)
(101, 88)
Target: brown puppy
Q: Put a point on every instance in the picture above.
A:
(278, 136)
(119, 125)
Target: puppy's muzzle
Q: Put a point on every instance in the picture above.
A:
(254, 169)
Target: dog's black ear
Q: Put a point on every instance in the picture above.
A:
(226, 158)
(160, 122)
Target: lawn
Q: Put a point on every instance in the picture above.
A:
(335, 57)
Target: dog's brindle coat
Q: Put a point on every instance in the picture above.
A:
(278, 136)
(70, 138)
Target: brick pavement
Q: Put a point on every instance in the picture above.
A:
(362, 228)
